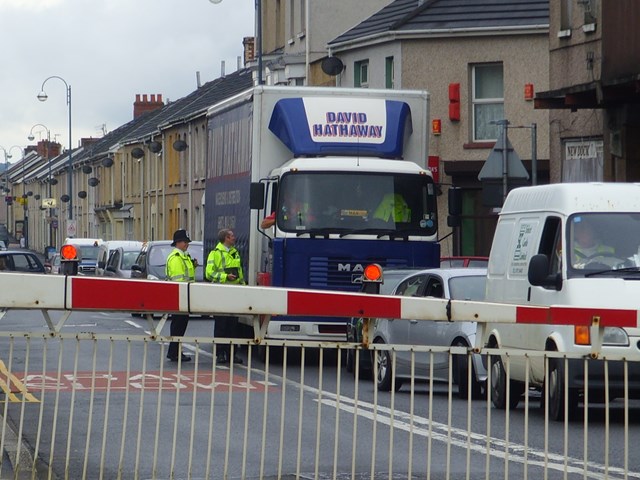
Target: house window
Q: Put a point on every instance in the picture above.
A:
(361, 74)
(565, 18)
(388, 72)
(488, 100)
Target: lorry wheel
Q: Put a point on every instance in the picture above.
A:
(461, 375)
(499, 386)
(557, 392)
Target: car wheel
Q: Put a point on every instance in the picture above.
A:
(557, 390)
(499, 386)
(461, 375)
(349, 361)
(383, 363)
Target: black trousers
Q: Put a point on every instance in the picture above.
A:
(177, 329)
(226, 327)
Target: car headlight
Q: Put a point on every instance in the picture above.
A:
(615, 336)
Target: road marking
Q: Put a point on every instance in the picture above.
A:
(14, 389)
(478, 443)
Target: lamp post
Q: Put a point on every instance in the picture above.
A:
(258, 35)
(42, 96)
(5, 189)
(7, 156)
(46, 155)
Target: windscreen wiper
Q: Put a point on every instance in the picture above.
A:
(380, 232)
(614, 271)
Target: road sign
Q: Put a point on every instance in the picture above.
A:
(48, 203)
(71, 228)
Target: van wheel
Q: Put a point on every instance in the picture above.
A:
(556, 392)
(384, 365)
(499, 386)
(461, 375)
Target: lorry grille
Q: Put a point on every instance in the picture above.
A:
(343, 273)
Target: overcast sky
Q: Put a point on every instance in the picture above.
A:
(107, 51)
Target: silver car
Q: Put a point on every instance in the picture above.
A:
(120, 262)
(450, 283)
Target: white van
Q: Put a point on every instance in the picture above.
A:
(89, 251)
(105, 249)
(537, 259)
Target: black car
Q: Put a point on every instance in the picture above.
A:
(20, 261)
(152, 260)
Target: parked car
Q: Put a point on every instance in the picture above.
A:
(152, 260)
(454, 283)
(3, 246)
(456, 262)
(107, 248)
(120, 262)
(53, 264)
(20, 261)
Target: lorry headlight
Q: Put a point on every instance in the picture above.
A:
(615, 336)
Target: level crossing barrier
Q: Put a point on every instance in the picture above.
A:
(103, 404)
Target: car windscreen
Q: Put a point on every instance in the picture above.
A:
(128, 259)
(467, 288)
(159, 253)
(89, 252)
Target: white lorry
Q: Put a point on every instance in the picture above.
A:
(572, 245)
(341, 172)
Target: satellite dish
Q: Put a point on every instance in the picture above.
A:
(82, 194)
(64, 198)
(332, 66)
(87, 169)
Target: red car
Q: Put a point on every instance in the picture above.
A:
(451, 262)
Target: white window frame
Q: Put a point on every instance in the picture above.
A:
(483, 101)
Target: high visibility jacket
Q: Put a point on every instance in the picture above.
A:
(180, 267)
(393, 208)
(221, 263)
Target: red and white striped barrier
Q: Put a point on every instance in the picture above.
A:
(57, 292)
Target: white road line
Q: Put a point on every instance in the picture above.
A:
(440, 432)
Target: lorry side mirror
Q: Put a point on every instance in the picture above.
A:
(538, 273)
(455, 207)
(455, 201)
(256, 196)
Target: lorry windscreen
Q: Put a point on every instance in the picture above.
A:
(357, 203)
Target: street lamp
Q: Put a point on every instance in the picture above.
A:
(46, 155)
(258, 35)
(7, 156)
(42, 96)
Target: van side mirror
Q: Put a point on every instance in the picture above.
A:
(538, 273)
(256, 196)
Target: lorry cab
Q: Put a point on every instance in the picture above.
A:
(565, 244)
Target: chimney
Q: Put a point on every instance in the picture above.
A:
(144, 104)
(48, 149)
(249, 44)
(222, 68)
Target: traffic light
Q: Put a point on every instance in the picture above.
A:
(70, 257)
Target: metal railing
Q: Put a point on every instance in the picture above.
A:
(88, 405)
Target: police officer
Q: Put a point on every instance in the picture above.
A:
(225, 266)
(180, 268)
